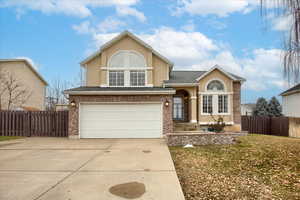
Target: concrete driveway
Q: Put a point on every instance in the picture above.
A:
(59, 168)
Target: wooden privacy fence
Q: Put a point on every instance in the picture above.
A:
(34, 123)
(266, 125)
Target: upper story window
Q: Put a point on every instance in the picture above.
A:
(130, 68)
(215, 86)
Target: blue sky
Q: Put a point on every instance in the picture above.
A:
(195, 34)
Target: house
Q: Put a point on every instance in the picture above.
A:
(22, 74)
(247, 108)
(132, 91)
(291, 102)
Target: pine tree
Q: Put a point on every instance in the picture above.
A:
(261, 107)
(274, 108)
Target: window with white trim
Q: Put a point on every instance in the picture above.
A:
(207, 105)
(133, 67)
(137, 78)
(215, 100)
(222, 104)
(116, 78)
(215, 86)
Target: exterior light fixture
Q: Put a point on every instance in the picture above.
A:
(167, 103)
(73, 104)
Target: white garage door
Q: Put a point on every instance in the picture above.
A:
(121, 120)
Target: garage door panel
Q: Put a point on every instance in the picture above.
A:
(116, 134)
(121, 120)
(124, 124)
(118, 116)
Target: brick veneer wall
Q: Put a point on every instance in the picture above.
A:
(237, 102)
(74, 114)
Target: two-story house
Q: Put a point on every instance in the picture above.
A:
(21, 76)
(132, 91)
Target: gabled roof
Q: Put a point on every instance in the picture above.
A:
(292, 90)
(192, 77)
(29, 65)
(119, 37)
(229, 75)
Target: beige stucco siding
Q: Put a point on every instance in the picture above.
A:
(93, 72)
(96, 69)
(160, 71)
(228, 83)
(30, 81)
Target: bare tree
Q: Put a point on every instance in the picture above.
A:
(2, 88)
(55, 92)
(13, 93)
(291, 60)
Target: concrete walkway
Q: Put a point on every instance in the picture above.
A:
(59, 168)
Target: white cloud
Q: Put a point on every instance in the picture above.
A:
(110, 24)
(184, 48)
(195, 51)
(78, 8)
(282, 23)
(221, 8)
(83, 28)
(107, 25)
(189, 27)
(129, 11)
(216, 24)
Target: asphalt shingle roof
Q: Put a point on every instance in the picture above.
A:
(97, 88)
(190, 76)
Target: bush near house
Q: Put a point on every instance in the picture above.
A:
(257, 167)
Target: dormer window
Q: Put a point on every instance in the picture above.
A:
(127, 69)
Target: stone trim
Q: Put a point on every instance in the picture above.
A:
(181, 139)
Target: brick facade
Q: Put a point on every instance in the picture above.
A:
(237, 102)
(74, 111)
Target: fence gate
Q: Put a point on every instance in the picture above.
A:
(34, 123)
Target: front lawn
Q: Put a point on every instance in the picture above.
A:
(3, 138)
(257, 167)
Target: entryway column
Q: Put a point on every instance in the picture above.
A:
(193, 110)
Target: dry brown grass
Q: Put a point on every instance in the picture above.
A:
(257, 167)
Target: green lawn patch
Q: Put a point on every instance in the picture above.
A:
(3, 138)
(257, 167)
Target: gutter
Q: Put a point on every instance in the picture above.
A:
(118, 92)
(180, 84)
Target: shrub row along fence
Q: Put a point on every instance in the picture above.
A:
(34, 123)
(266, 125)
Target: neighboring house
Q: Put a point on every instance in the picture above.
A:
(29, 79)
(132, 91)
(247, 109)
(291, 102)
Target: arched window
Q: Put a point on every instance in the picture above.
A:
(127, 68)
(215, 86)
(127, 59)
(215, 101)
